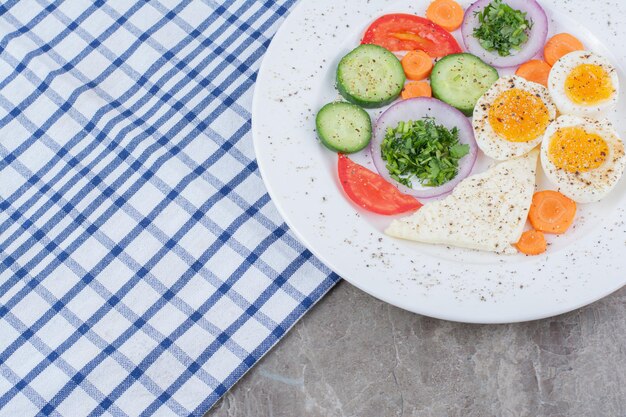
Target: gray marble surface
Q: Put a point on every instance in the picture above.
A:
(353, 355)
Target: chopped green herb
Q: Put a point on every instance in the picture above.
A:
(502, 28)
(422, 149)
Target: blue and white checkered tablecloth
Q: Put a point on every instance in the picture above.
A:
(143, 267)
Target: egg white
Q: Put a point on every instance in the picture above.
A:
(488, 140)
(561, 70)
(592, 185)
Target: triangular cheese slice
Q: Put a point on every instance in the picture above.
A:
(486, 211)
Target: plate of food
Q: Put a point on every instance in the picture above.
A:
(459, 160)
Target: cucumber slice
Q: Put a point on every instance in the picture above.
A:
(370, 76)
(343, 127)
(461, 79)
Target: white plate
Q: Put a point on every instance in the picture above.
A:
(297, 78)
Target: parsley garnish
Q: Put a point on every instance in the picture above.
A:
(424, 150)
(502, 28)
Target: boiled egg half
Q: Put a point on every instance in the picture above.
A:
(583, 157)
(511, 117)
(584, 84)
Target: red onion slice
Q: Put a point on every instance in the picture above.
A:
(536, 37)
(416, 109)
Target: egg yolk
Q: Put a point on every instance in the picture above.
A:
(588, 84)
(576, 150)
(518, 116)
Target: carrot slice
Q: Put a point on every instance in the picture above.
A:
(532, 242)
(535, 70)
(446, 13)
(417, 65)
(551, 212)
(559, 45)
(416, 89)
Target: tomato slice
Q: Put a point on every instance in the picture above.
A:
(407, 32)
(370, 191)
